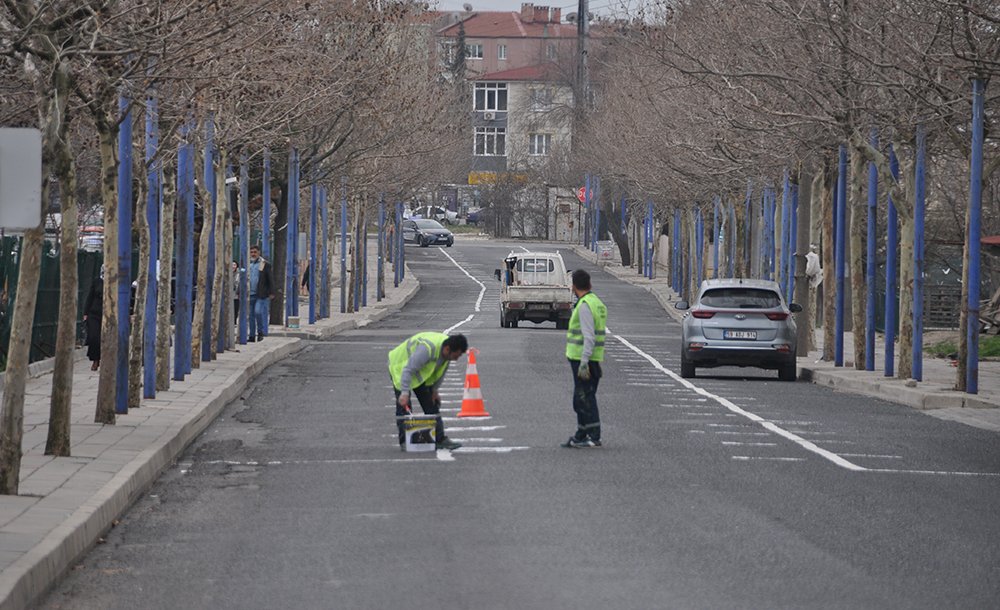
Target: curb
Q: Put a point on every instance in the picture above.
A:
(24, 581)
(39, 368)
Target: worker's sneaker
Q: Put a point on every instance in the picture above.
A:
(447, 443)
(574, 443)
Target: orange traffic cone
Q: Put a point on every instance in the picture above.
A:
(472, 396)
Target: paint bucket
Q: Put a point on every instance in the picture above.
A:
(419, 432)
(293, 321)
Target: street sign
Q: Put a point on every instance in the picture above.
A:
(582, 194)
(20, 178)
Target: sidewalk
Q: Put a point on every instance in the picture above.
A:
(66, 504)
(934, 393)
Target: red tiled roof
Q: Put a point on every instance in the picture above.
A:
(508, 25)
(543, 72)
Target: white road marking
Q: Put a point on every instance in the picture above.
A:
(475, 428)
(742, 444)
(808, 446)
(489, 449)
(465, 418)
(868, 455)
(479, 301)
(747, 458)
(741, 433)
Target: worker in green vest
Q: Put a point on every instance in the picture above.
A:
(417, 366)
(585, 352)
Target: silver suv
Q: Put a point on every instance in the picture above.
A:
(737, 322)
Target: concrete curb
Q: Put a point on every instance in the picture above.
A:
(24, 581)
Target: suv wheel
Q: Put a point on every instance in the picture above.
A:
(687, 367)
(787, 372)
(424, 243)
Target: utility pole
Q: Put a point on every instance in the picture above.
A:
(582, 31)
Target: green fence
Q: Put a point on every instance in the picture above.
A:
(43, 335)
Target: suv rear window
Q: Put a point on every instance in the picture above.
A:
(741, 298)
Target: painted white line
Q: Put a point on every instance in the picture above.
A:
(747, 458)
(482, 286)
(742, 444)
(729, 425)
(474, 428)
(481, 439)
(709, 414)
(444, 455)
(466, 418)
(808, 446)
(489, 449)
(868, 455)
(696, 432)
(742, 433)
(946, 472)
(307, 462)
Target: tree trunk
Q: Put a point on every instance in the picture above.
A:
(694, 280)
(164, 291)
(829, 277)
(201, 283)
(815, 204)
(741, 239)
(859, 238)
(904, 370)
(105, 412)
(618, 233)
(279, 256)
(60, 407)
(229, 283)
(141, 227)
(221, 269)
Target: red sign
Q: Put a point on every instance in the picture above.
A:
(582, 194)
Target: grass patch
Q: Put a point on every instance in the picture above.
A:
(464, 229)
(989, 347)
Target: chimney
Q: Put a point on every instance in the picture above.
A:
(527, 12)
(557, 15)
(542, 14)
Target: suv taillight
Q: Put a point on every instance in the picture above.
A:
(704, 315)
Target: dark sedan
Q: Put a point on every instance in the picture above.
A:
(426, 232)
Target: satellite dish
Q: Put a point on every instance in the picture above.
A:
(571, 17)
(467, 7)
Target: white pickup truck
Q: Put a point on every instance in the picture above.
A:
(534, 286)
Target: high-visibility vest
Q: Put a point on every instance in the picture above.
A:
(574, 336)
(430, 372)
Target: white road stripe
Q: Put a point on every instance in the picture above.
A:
(742, 444)
(808, 446)
(747, 458)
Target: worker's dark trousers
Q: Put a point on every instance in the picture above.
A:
(430, 407)
(588, 419)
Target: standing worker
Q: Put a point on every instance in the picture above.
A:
(585, 352)
(92, 313)
(418, 365)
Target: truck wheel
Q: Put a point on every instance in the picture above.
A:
(562, 324)
(503, 320)
(513, 323)
(687, 368)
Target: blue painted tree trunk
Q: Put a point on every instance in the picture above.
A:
(973, 232)
(919, 207)
(840, 255)
(124, 254)
(154, 199)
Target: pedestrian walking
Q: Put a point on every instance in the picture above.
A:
(418, 366)
(585, 352)
(93, 310)
(261, 292)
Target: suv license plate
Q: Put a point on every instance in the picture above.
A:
(539, 306)
(739, 334)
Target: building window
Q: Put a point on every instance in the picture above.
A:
(491, 97)
(539, 144)
(474, 51)
(501, 51)
(491, 141)
(540, 99)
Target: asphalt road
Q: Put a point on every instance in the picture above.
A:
(734, 491)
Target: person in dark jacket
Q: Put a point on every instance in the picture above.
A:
(261, 291)
(93, 309)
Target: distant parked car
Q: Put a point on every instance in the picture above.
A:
(735, 322)
(426, 232)
(474, 216)
(437, 213)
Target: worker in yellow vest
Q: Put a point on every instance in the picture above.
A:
(585, 352)
(417, 366)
